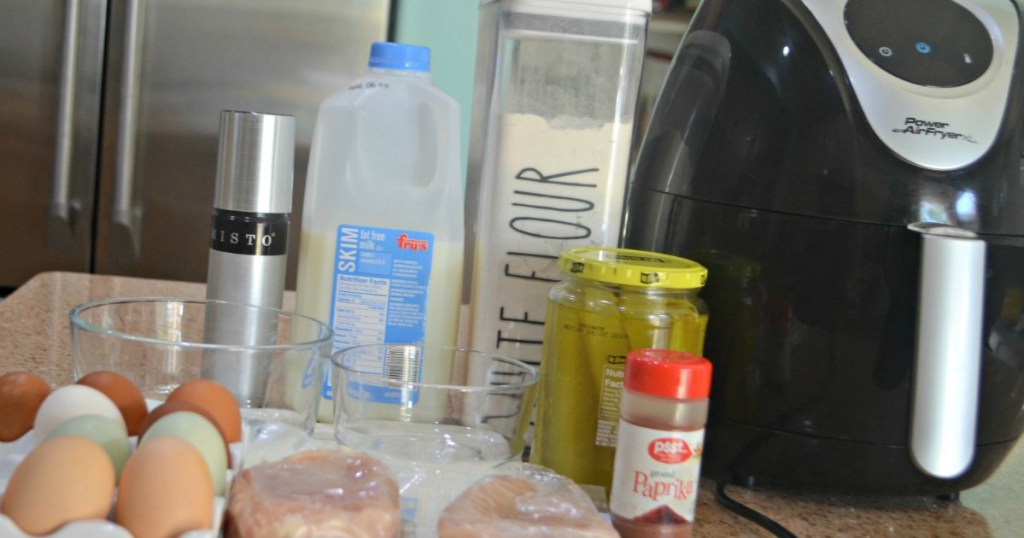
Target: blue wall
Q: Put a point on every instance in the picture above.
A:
(449, 28)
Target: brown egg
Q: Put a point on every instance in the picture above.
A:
(216, 399)
(167, 408)
(62, 480)
(165, 490)
(21, 394)
(125, 395)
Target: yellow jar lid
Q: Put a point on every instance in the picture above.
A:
(633, 267)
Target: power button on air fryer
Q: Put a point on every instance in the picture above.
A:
(936, 43)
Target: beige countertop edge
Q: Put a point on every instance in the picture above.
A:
(34, 334)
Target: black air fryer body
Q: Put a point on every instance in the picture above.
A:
(793, 144)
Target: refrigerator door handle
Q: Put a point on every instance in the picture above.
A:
(126, 214)
(64, 213)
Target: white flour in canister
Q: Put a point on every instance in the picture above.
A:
(547, 187)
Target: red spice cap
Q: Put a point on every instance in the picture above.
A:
(668, 373)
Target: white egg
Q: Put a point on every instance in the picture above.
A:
(71, 401)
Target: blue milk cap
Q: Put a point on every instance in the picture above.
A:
(399, 56)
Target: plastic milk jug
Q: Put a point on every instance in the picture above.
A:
(381, 249)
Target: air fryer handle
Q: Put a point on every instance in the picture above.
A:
(947, 366)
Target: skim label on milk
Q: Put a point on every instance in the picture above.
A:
(656, 473)
(379, 295)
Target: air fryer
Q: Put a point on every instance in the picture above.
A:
(851, 175)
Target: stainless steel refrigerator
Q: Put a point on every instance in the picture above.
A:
(109, 115)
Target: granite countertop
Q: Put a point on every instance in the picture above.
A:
(35, 336)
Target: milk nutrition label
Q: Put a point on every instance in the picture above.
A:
(380, 285)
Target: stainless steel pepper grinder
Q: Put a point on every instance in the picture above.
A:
(248, 246)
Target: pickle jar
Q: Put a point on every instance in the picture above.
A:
(609, 302)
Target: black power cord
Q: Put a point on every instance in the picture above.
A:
(747, 512)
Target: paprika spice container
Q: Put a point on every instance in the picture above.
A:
(661, 439)
(609, 302)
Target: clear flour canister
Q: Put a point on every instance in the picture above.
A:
(553, 119)
(609, 302)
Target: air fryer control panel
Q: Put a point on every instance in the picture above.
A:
(932, 76)
(926, 42)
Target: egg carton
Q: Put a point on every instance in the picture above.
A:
(11, 455)
(101, 528)
(263, 440)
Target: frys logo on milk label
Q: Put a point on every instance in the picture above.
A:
(669, 450)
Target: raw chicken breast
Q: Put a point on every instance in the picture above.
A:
(338, 492)
(523, 501)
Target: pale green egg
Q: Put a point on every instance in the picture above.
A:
(200, 433)
(105, 431)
